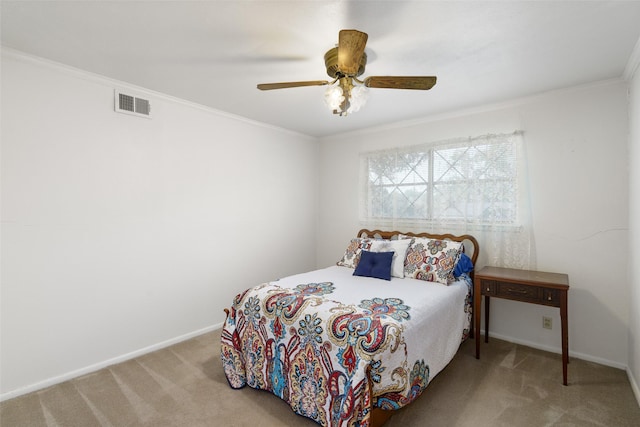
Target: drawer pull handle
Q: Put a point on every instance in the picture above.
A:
(488, 289)
(549, 297)
(517, 291)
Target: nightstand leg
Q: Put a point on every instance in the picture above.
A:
(565, 335)
(487, 298)
(477, 307)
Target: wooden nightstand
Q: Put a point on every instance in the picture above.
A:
(535, 287)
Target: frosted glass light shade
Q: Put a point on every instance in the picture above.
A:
(359, 96)
(333, 97)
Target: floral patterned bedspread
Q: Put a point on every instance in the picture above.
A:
(333, 345)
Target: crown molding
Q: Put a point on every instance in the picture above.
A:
(633, 63)
(469, 111)
(110, 82)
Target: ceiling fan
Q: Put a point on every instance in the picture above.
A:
(344, 64)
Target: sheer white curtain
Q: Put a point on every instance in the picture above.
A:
(477, 185)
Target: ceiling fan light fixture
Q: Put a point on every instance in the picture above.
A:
(347, 97)
(359, 96)
(334, 97)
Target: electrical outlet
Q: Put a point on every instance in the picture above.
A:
(547, 322)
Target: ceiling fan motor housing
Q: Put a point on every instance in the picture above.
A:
(331, 62)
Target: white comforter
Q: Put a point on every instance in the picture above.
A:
(333, 345)
(438, 318)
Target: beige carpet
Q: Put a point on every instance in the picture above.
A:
(184, 385)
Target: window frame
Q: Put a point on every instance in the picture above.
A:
(510, 180)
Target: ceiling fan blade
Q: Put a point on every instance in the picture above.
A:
(404, 82)
(270, 86)
(351, 45)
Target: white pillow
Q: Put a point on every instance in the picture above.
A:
(399, 247)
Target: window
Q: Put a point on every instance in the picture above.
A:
(470, 181)
(466, 185)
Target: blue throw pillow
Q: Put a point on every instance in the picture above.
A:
(464, 265)
(375, 264)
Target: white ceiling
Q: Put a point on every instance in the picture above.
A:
(215, 52)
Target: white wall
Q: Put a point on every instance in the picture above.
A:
(576, 143)
(121, 234)
(634, 231)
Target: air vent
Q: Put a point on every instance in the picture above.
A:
(131, 104)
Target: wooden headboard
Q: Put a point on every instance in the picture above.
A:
(471, 247)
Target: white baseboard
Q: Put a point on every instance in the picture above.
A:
(95, 367)
(582, 356)
(577, 355)
(123, 358)
(634, 385)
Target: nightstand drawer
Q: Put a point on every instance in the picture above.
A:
(488, 287)
(551, 297)
(518, 291)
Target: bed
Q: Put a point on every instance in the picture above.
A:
(351, 343)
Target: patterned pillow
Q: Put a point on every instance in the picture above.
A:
(399, 247)
(432, 260)
(351, 256)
